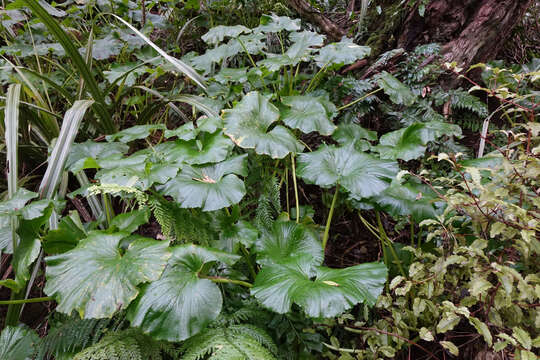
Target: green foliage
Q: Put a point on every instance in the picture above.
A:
(17, 342)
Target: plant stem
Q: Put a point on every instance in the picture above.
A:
(412, 231)
(249, 262)
(295, 189)
(222, 280)
(329, 220)
(359, 99)
(25, 301)
(385, 239)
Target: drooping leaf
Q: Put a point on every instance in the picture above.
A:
(248, 122)
(18, 342)
(308, 114)
(211, 187)
(320, 291)
(361, 174)
(98, 278)
(180, 304)
(287, 239)
(395, 89)
(341, 53)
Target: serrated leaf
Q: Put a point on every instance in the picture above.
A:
(523, 337)
(308, 114)
(247, 125)
(361, 174)
(180, 304)
(303, 44)
(448, 322)
(320, 291)
(478, 286)
(274, 23)
(286, 239)
(425, 334)
(482, 329)
(97, 278)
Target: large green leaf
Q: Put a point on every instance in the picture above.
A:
(287, 239)
(18, 343)
(361, 174)
(234, 235)
(86, 155)
(395, 89)
(410, 198)
(211, 187)
(274, 23)
(99, 277)
(135, 132)
(216, 34)
(130, 221)
(410, 142)
(248, 122)
(207, 148)
(320, 291)
(308, 114)
(303, 44)
(180, 304)
(341, 53)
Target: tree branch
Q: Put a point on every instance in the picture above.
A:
(305, 10)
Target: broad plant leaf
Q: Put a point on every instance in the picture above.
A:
(206, 148)
(275, 62)
(18, 343)
(135, 132)
(210, 187)
(216, 34)
(234, 235)
(355, 134)
(180, 303)
(98, 277)
(275, 23)
(86, 155)
(363, 175)
(308, 114)
(322, 292)
(410, 142)
(287, 239)
(247, 125)
(130, 221)
(409, 198)
(228, 75)
(395, 89)
(341, 53)
(303, 44)
(70, 231)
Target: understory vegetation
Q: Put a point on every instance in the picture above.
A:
(221, 180)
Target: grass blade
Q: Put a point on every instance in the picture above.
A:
(181, 66)
(106, 124)
(11, 122)
(57, 160)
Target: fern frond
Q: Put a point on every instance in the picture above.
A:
(461, 99)
(229, 343)
(269, 204)
(164, 215)
(128, 344)
(71, 335)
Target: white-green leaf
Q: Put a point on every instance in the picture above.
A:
(308, 114)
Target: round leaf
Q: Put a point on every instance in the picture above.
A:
(320, 291)
(308, 114)
(18, 343)
(247, 125)
(97, 279)
(361, 174)
(286, 239)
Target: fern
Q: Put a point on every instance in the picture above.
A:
(71, 334)
(461, 99)
(164, 214)
(128, 344)
(269, 204)
(236, 342)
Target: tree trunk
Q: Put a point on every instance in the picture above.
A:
(308, 12)
(471, 31)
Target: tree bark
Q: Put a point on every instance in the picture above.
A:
(471, 31)
(306, 11)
